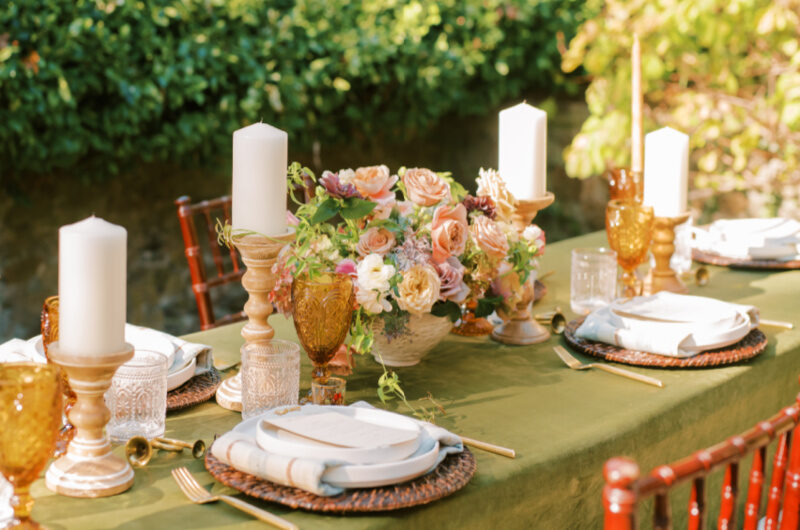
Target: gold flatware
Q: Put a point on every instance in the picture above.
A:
(199, 495)
(575, 364)
(776, 323)
(554, 319)
(139, 450)
(701, 276)
(491, 448)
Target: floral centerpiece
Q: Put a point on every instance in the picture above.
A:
(415, 243)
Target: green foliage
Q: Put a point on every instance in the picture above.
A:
(725, 72)
(98, 84)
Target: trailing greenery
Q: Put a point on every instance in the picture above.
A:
(98, 84)
(725, 72)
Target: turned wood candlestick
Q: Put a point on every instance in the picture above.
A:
(519, 327)
(259, 254)
(88, 469)
(662, 277)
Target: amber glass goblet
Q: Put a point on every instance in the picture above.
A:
(629, 227)
(624, 185)
(49, 327)
(322, 308)
(30, 416)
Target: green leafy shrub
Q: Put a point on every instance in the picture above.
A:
(98, 84)
(725, 72)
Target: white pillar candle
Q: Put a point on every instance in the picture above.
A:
(666, 171)
(91, 287)
(523, 151)
(259, 179)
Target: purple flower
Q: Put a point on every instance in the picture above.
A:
(335, 188)
(451, 273)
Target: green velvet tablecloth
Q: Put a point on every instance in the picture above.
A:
(563, 424)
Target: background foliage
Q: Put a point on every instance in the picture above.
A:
(99, 84)
(727, 72)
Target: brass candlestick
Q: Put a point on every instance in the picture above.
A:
(662, 277)
(259, 254)
(88, 469)
(518, 326)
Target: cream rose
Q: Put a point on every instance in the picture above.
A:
(375, 241)
(419, 289)
(375, 183)
(489, 237)
(424, 187)
(491, 184)
(449, 231)
(373, 284)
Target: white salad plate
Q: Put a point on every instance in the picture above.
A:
(365, 475)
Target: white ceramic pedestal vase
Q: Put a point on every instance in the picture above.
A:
(424, 333)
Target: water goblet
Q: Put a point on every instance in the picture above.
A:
(30, 415)
(629, 227)
(322, 308)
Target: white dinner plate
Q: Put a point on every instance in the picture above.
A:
(176, 379)
(278, 441)
(367, 475)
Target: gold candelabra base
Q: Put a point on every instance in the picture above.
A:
(519, 327)
(662, 277)
(89, 469)
(259, 254)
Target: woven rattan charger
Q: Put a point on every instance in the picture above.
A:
(756, 264)
(196, 390)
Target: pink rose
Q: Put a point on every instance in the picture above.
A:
(451, 273)
(449, 232)
(382, 211)
(346, 266)
(375, 183)
(424, 187)
(507, 284)
(489, 237)
(375, 241)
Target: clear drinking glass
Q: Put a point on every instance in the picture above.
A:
(137, 398)
(594, 279)
(270, 376)
(330, 392)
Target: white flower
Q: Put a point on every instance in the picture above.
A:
(491, 184)
(346, 175)
(323, 247)
(373, 284)
(532, 233)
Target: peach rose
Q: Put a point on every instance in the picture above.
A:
(419, 289)
(449, 231)
(375, 183)
(507, 285)
(491, 184)
(424, 187)
(489, 237)
(375, 241)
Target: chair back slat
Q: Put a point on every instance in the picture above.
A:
(226, 210)
(790, 517)
(662, 518)
(727, 509)
(697, 504)
(755, 488)
(779, 462)
(619, 499)
(212, 240)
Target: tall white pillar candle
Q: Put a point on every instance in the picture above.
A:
(523, 151)
(259, 179)
(91, 287)
(666, 171)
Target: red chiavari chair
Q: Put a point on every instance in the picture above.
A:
(625, 488)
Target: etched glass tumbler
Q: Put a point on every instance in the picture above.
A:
(270, 376)
(593, 280)
(137, 398)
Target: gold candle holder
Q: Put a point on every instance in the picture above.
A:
(662, 277)
(519, 327)
(88, 469)
(259, 253)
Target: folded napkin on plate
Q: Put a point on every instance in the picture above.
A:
(184, 351)
(243, 453)
(19, 351)
(669, 324)
(774, 238)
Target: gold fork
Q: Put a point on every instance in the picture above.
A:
(575, 364)
(199, 495)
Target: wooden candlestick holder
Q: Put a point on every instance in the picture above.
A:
(88, 469)
(519, 327)
(662, 277)
(259, 254)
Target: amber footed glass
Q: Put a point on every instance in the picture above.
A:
(322, 308)
(30, 416)
(629, 227)
(49, 327)
(625, 185)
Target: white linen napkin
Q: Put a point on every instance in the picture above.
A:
(18, 350)
(184, 351)
(669, 324)
(243, 453)
(770, 238)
